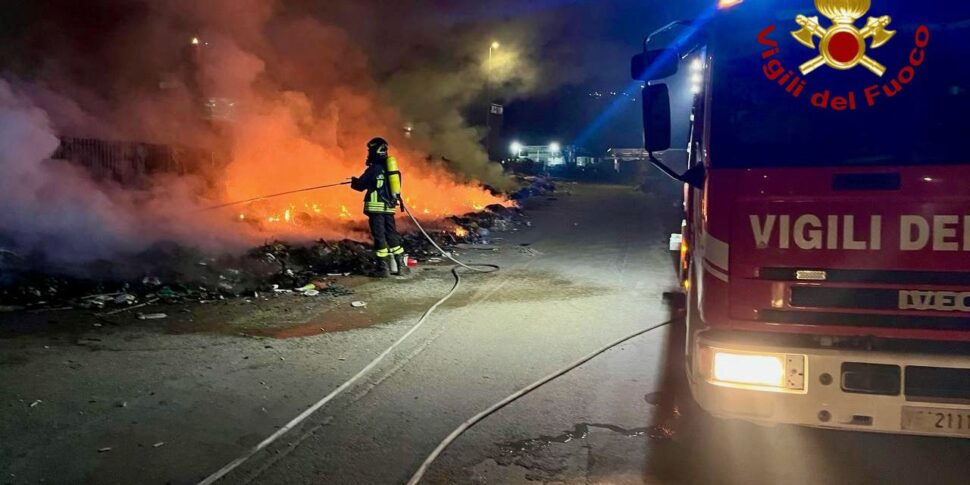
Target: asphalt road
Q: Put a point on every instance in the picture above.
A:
(174, 407)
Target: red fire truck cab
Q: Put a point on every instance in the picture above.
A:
(826, 244)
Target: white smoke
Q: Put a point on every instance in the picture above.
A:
(47, 205)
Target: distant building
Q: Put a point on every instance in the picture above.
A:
(635, 162)
(623, 157)
(551, 155)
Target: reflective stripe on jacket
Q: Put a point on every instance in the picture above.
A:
(378, 198)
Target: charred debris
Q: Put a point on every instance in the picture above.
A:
(169, 273)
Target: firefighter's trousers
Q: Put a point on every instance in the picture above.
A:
(383, 228)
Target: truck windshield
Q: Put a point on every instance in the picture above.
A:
(757, 123)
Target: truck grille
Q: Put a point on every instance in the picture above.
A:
(868, 298)
(938, 383)
(864, 320)
(862, 378)
(940, 278)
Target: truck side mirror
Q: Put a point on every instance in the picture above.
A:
(656, 118)
(654, 65)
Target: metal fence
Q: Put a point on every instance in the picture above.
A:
(131, 163)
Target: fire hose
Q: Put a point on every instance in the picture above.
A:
(478, 268)
(465, 426)
(281, 194)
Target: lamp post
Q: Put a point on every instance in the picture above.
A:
(488, 98)
(488, 73)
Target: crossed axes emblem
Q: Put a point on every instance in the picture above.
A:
(843, 46)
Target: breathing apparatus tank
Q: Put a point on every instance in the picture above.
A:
(393, 177)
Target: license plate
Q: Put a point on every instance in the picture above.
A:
(936, 420)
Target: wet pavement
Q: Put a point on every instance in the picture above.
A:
(592, 268)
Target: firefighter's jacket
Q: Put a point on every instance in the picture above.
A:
(382, 183)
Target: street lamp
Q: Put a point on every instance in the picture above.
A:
(554, 147)
(516, 149)
(495, 45)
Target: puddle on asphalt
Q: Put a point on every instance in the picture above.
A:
(509, 451)
(290, 316)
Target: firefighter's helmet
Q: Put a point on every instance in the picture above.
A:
(377, 147)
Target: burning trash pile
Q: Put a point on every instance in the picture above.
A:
(168, 273)
(534, 187)
(481, 227)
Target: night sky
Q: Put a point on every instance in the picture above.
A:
(578, 46)
(571, 50)
(603, 35)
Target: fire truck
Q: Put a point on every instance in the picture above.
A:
(825, 252)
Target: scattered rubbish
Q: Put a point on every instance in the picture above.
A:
(151, 281)
(123, 404)
(358, 304)
(537, 187)
(97, 325)
(35, 403)
(311, 293)
(140, 305)
(104, 450)
(159, 444)
(178, 275)
(151, 316)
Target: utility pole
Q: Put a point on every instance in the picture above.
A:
(491, 140)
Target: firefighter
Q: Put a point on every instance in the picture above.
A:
(381, 182)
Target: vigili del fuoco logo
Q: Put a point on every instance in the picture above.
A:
(843, 46)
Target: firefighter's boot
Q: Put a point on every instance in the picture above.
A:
(392, 263)
(383, 267)
(402, 265)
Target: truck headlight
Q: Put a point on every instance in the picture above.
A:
(753, 370)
